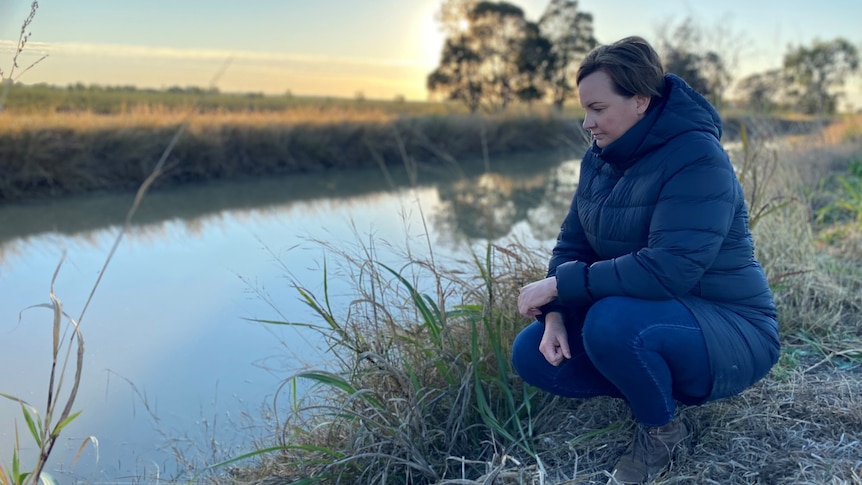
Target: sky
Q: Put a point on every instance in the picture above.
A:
(377, 48)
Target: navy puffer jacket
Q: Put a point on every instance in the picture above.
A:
(659, 214)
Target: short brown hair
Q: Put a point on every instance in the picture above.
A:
(632, 64)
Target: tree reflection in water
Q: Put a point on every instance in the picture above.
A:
(490, 206)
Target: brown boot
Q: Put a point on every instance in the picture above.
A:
(649, 453)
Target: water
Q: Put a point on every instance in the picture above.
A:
(176, 376)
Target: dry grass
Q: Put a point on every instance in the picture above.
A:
(150, 117)
(848, 128)
(313, 113)
(801, 428)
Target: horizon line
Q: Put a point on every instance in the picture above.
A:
(205, 54)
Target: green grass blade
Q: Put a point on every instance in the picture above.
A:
(489, 417)
(244, 456)
(280, 322)
(432, 322)
(317, 449)
(13, 398)
(482, 403)
(326, 288)
(35, 430)
(484, 268)
(16, 467)
(65, 422)
(329, 380)
(309, 300)
(294, 398)
(433, 308)
(332, 380)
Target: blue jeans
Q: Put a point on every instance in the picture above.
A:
(651, 353)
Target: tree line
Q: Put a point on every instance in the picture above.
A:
(493, 56)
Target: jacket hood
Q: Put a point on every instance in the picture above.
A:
(681, 109)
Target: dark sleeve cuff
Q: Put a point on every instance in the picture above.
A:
(550, 307)
(573, 284)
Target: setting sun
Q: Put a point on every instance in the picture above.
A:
(432, 38)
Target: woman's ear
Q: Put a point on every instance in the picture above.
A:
(642, 103)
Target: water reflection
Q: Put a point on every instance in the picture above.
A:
(167, 326)
(489, 206)
(480, 200)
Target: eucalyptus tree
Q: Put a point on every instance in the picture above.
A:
(685, 54)
(569, 33)
(500, 30)
(761, 92)
(534, 66)
(483, 54)
(458, 76)
(815, 74)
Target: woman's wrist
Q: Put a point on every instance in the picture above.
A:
(554, 318)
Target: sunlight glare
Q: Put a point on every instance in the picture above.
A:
(432, 37)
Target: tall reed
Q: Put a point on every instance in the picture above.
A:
(59, 411)
(7, 78)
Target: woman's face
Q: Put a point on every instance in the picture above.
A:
(608, 114)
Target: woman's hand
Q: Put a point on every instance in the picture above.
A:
(555, 341)
(536, 294)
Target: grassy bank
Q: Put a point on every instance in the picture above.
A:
(72, 153)
(420, 390)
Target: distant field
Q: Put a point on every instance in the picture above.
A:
(42, 99)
